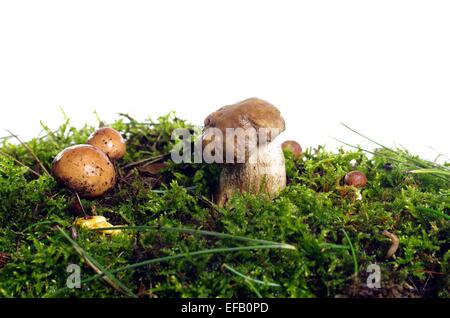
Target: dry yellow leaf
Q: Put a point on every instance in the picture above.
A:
(96, 222)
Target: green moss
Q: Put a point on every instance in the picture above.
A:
(312, 214)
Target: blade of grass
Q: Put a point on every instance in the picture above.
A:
(353, 146)
(203, 252)
(423, 164)
(355, 261)
(430, 171)
(435, 212)
(159, 191)
(248, 278)
(30, 151)
(32, 226)
(98, 268)
(419, 163)
(80, 203)
(165, 191)
(198, 232)
(334, 246)
(147, 160)
(365, 137)
(20, 163)
(252, 287)
(373, 153)
(49, 132)
(210, 233)
(182, 255)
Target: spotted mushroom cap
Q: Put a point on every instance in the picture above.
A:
(356, 179)
(250, 113)
(108, 140)
(84, 169)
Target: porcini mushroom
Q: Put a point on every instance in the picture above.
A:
(257, 169)
(110, 141)
(84, 169)
(294, 147)
(356, 179)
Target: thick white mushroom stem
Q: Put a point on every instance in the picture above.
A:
(266, 174)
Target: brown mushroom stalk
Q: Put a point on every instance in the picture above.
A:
(395, 243)
(255, 170)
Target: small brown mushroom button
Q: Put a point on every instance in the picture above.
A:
(294, 147)
(356, 179)
(84, 169)
(110, 141)
(267, 173)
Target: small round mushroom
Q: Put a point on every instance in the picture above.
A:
(266, 174)
(356, 179)
(84, 169)
(110, 141)
(294, 147)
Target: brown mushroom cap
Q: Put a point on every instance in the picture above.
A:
(84, 169)
(293, 147)
(251, 113)
(356, 179)
(110, 141)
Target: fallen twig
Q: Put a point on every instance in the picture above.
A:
(148, 161)
(20, 163)
(30, 151)
(81, 204)
(395, 243)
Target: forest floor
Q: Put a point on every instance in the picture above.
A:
(316, 239)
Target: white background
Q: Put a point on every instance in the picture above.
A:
(383, 67)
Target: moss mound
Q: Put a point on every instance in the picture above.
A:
(335, 235)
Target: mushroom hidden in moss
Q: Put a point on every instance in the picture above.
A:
(356, 179)
(84, 169)
(110, 141)
(265, 174)
(293, 147)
